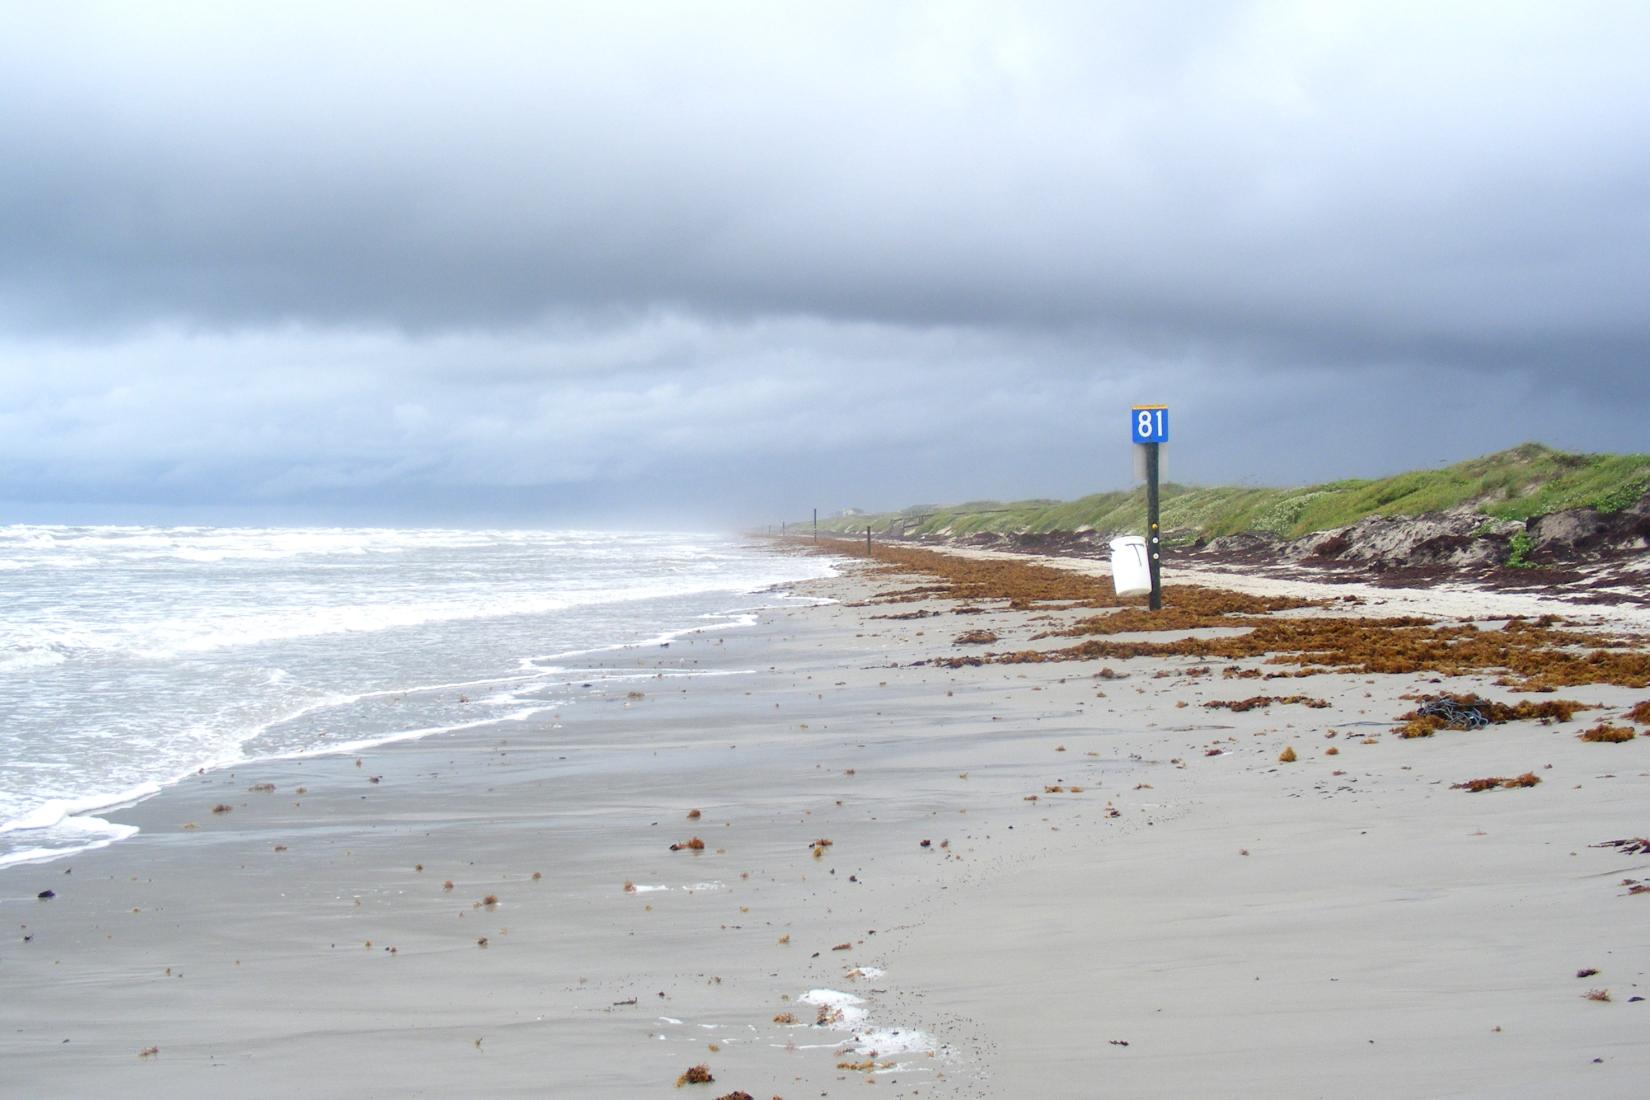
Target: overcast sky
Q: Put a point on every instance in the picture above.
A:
(686, 262)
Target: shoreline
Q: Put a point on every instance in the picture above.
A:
(86, 812)
(1110, 866)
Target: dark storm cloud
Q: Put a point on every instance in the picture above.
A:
(351, 248)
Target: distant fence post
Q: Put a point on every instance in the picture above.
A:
(816, 524)
(867, 542)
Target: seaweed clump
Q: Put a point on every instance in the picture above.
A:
(695, 1075)
(1608, 734)
(1470, 712)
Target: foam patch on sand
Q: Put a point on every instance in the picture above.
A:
(846, 1012)
(843, 1010)
(686, 887)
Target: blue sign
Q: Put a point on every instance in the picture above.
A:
(1149, 423)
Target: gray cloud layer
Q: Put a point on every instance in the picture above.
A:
(848, 253)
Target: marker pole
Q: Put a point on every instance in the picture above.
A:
(1154, 543)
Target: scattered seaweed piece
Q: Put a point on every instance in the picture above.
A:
(695, 1075)
(693, 844)
(223, 808)
(785, 1019)
(1632, 846)
(736, 1094)
(694, 814)
(1238, 706)
(1597, 995)
(869, 1065)
(1287, 756)
(1587, 972)
(1490, 782)
(148, 1052)
(975, 637)
(1640, 713)
(262, 788)
(1605, 733)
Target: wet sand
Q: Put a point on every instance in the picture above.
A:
(1118, 895)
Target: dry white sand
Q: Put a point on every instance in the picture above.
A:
(1184, 925)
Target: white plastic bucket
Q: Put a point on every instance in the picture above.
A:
(1131, 575)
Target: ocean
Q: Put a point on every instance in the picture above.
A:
(131, 657)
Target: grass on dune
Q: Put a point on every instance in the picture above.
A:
(1529, 480)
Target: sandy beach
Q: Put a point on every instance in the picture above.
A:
(1065, 877)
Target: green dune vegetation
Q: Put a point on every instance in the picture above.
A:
(1517, 484)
